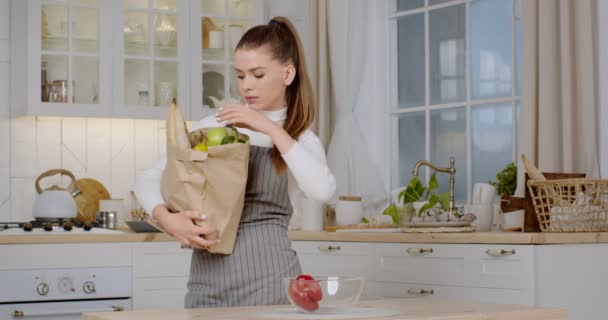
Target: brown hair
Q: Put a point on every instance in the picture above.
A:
(282, 39)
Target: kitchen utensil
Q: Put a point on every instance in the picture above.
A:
(142, 227)
(437, 224)
(483, 214)
(483, 193)
(349, 210)
(311, 212)
(335, 291)
(55, 202)
(88, 194)
(355, 227)
(106, 219)
(114, 205)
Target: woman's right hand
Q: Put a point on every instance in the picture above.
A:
(190, 227)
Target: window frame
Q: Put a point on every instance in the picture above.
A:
(394, 111)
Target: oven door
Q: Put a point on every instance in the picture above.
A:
(60, 310)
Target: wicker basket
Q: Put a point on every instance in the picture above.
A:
(570, 205)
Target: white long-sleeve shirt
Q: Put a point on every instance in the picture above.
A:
(308, 173)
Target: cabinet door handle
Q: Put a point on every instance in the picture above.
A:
(500, 253)
(421, 292)
(329, 248)
(413, 251)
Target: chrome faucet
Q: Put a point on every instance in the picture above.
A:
(451, 170)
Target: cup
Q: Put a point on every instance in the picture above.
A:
(483, 193)
(483, 214)
(349, 210)
(117, 206)
(311, 214)
(106, 219)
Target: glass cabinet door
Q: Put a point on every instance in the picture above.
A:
(70, 52)
(218, 26)
(150, 30)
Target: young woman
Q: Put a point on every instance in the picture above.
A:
(286, 163)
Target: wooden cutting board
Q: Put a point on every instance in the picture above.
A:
(91, 191)
(335, 228)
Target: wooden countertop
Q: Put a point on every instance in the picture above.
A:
(470, 237)
(409, 309)
(473, 237)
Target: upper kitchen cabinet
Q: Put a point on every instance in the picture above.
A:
(150, 57)
(61, 58)
(131, 58)
(216, 28)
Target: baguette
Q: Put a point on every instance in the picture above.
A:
(180, 132)
(532, 170)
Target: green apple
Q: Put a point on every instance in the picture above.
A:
(201, 147)
(215, 136)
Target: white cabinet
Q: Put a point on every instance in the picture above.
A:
(125, 58)
(160, 275)
(335, 258)
(472, 272)
(61, 58)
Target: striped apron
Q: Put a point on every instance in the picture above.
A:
(262, 256)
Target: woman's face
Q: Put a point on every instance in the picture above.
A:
(262, 80)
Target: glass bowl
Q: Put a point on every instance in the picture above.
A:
(323, 292)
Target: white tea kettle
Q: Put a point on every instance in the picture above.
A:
(55, 202)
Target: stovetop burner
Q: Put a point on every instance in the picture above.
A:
(49, 225)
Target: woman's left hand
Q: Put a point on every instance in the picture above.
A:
(244, 117)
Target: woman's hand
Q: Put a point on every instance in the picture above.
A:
(244, 117)
(189, 227)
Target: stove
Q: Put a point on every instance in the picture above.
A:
(52, 226)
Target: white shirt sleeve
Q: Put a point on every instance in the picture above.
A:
(147, 186)
(307, 164)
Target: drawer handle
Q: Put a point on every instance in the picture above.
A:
(329, 248)
(500, 253)
(421, 292)
(419, 251)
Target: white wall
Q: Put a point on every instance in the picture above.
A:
(112, 151)
(602, 55)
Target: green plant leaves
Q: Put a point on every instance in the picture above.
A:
(506, 180)
(392, 211)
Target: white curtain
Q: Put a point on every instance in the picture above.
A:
(355, 57)
(602, 56)
(559, 111)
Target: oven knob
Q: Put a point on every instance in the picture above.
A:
(42, 289)
(88, 287)
(66, 284)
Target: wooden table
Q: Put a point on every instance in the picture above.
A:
(409, 309)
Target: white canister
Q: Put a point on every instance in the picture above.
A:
(311, 214)
(216, 39)
(349, 210)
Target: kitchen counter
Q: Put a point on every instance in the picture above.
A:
(409, 309)
(470, 237)
(473, 237)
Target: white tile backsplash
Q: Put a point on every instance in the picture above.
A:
(109, 150)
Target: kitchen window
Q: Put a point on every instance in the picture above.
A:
(455, 90)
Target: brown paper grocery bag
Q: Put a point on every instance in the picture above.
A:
(212, 182)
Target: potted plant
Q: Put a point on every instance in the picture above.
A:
(419, 197)
(506, 180)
